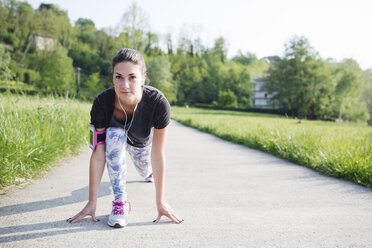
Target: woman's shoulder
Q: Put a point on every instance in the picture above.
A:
(152, 94)
(106, 95)
(107, 92)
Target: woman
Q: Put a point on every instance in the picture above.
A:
(135, 118)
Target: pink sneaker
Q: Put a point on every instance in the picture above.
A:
(149, 179)
(119, 214)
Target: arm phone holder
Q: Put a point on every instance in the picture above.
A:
(95, 137)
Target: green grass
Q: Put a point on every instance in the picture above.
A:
(36, 132)
(342, 150)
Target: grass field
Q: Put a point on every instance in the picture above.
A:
(35, 132)
(342, 150)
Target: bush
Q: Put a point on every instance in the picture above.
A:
(5, 72)
(227, 99)
(57, 72)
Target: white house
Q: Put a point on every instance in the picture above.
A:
(260, 97)
(43, 41)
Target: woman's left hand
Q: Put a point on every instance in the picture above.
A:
(165, 210)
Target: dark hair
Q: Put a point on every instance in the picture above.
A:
(129, 55)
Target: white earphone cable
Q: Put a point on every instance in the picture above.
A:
(126, 119)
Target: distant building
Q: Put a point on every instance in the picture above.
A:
(43, 41)
(260, 99)
(45, 6)
(270, 59)
(331, 60)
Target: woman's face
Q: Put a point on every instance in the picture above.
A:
(128, 80)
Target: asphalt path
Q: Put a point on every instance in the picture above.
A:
(228, 195)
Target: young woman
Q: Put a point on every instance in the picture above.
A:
(135, 118)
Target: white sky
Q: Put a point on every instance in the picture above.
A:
(335, 28)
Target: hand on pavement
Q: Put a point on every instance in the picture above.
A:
(165, 210)
(89, 209)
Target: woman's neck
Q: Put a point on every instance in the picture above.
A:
(128, 107)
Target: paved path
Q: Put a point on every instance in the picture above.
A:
(229, 196)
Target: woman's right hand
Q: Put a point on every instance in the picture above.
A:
(89, 209)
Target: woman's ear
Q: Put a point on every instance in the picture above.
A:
(144, 79)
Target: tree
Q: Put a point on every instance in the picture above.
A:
(246, 59)
(350, 85)
(85, 29)
(93, 83)
(240, 83)
(300, 81)
(220, 50)
(168, 39)
(54, 22)
(158, 71)
(227, 99)
(135, 22)
(5, 72)
(256, 67)
(57, 72)
(152, 45)
(367, 93)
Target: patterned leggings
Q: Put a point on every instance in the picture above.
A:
(116, 147)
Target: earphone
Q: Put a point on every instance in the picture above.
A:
(126, 118)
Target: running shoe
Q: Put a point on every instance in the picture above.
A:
(119, 215)
(149, 179)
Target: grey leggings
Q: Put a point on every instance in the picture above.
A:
(116, 147)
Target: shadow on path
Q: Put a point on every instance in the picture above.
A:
(61, 227)
(76, 196)
(42, 230)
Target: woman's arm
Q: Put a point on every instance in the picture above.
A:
(158, 170)
(96, 168)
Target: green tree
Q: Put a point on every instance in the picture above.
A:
(256, 67)
(227, 99)
(158, 71)
(220, 50)
(56, 23)
(238, 78)
(367, 94)
(300, 81)
(135, 22)
(88, 47)
(57, 72)
(350, 85)
(245, 59)
(85, 29)
(93, 82)
(152, 45)
(192, 81)
(168, 38)
(5, 72)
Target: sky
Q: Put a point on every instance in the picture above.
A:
(337, 29)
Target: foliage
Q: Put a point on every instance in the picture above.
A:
(349, 88)
(227, 99)
(158, 71)
(367, 95)
(57, 73)
(256, 67)
(309, 87)
(93, 82)
(342, 150)
(5, 72)
(134, 22)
